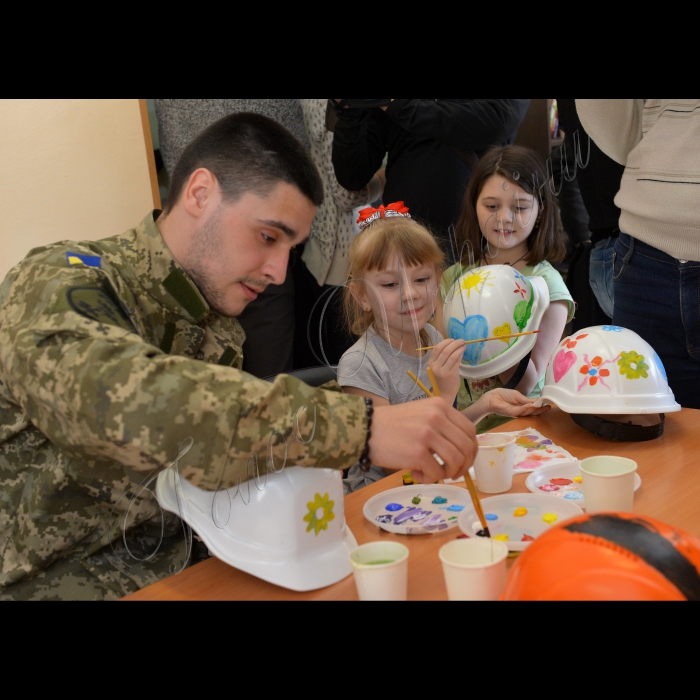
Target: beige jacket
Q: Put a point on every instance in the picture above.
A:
(658, 142)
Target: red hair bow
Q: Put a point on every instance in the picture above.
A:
(370, 214)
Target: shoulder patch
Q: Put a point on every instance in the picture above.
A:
(96, 304)
(80, 259)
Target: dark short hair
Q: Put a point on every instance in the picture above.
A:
(521, 166)
(247, 152)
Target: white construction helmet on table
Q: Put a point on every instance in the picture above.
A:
(491, 301)
(609, 370)
(287, 528)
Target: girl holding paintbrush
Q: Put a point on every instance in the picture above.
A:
(510, 217)
(391, 295)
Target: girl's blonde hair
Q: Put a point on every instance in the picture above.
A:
(371, 250)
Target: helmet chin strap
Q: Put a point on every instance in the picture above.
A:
(619, 431)
(519, 373)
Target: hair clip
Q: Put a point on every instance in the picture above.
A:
(370, 214)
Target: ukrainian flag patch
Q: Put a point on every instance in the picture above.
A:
(80, 259)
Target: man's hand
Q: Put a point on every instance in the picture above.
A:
(444, 361)
(405, 436)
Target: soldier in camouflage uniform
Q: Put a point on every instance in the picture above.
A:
(114, 352)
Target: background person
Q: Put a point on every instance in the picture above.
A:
(431, 149)
(510, 217)
(656, 269)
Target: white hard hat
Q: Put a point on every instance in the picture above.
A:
(490, 301)
(288, 529)
(608, 370)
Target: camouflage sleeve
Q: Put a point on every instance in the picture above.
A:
(97, 389)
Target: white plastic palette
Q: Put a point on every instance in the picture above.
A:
(544, 481)
(499, 512)
(394, 510)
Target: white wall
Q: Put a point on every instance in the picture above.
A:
(69, 169)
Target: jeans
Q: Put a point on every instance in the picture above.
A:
(600, 273)
(658, 297)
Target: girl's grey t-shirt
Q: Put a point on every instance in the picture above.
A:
(373, 365)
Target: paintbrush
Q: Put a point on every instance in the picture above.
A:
(436, 388)
(467, 478)
(477, 503)
(420, 384)
(482, 340)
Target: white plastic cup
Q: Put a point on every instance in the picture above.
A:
(493, 466)
(474, 568)
(608, 483)
(380, 570)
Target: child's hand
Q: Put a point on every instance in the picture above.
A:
(509, 402)
(444, 361)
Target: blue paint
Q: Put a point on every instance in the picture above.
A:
(383, 518)
(491, 516)
(456, 508)
(393, 506)
(471, 328)
(439, 499)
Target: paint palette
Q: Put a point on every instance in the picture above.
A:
(560, 480)
(540, 513)
(417, 510)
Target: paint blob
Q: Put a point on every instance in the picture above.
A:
(439, 499)
(491, 516)
(519, 512)
(416, 500)
(560, 482)
(527, 538)
(393, 506)
(548, 487)
(502, 537)
(578, 479)
(550, 518)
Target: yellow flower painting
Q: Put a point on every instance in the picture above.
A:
(320, 513)
(632, 365)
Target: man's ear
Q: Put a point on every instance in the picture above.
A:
(201, 192)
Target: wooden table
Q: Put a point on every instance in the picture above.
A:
(670, 491)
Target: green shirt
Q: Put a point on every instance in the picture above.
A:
(472, 389)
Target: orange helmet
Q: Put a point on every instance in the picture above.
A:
(608, 556)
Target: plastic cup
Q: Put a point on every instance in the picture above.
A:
(608, 483)
(380, 570)
(474, 569)
(493, 466)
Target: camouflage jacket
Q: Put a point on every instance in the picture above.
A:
(110, 358)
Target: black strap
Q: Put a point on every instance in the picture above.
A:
(522, 367)
(619, 431)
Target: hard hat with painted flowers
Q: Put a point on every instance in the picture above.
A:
(492, 301)
(287, 528)
(609, 370)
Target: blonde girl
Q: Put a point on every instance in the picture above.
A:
(389, 301)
